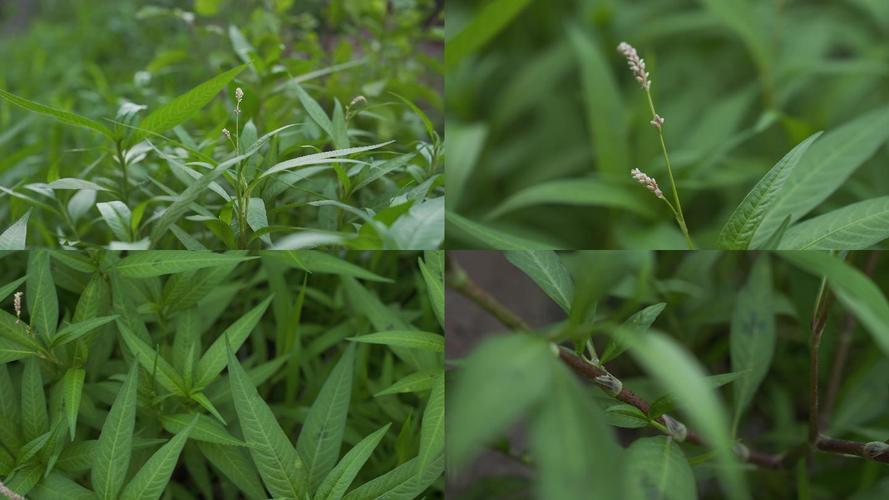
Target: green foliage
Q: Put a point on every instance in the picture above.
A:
(242, 125)
(546, 122)
(704, 381)
(173, 374)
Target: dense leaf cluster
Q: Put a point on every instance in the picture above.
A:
(329, 133)
(182, 374)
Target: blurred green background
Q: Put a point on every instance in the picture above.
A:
(536, 92)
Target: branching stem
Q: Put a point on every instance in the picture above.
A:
(462, 283)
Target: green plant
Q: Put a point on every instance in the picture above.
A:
(725, 367)
(545, 124)
(297, 374)
(327, 148)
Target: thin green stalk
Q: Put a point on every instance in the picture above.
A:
(677, 212)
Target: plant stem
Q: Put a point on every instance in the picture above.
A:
(679, 215)
(462, 283)
(819, 321)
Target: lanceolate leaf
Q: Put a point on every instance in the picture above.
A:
(410, 339)
(681, 374)
(15, 236)
(183, 202)
(152, 362)
(577, 455)
(858, 293)
(320, 262)
(338, 480)
(490, 20)
(43, 303)
(752, 338)
(657, 468)
(591, 192)
(501, 379)
(72, 384)
(432, 431)
(152, 478)
(149, 263)
(320, 158)
(115, 444)
(401, 483)
(415, 382)
(236, 467)
(65, 117)
(432, 268)
(279, 464)
(185, 106)
(857, 226)
(546, 269)
(826, 167)
(205, 429)
(35, 420)
(738, 232)
(636, 324)
(322, 434)
(213, 361)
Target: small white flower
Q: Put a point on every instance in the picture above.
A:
(226, 133)
(647, 181)
(657, 122)
(17, 304)
(239, 96)
(636, 63)
(609, 382)
(358, 100)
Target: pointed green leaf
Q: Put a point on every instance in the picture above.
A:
(183, 202)
(634, 325)
(415, 382)
(35, 420)
(576, 453)
(314, 110)
(432, 269)
(411, 339)
(320, 262)
(151, 263)
(115, 446)
(43, 303)
(214, 360)
(752, 338)
(235, 466)
(432, 429)
(74, 331)
(15, 236)
(279, 464)
(117, 215)
(185, 106)
(152, 478)
(65, 117)
(479, 235)
(205, 429)
(585, 192)
(499, 382)
(57, 485)
(72, 383)
(322, 434)
(320, 158)
(340, 478)
(853, 227)
(401, 483)
(824, 168)
(743, 223)
(683, 377)
(546, 269)
(491, 18)
(152, 362)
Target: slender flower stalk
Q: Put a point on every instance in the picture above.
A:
(637, 66)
